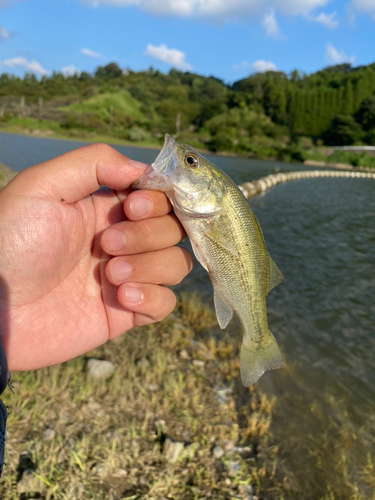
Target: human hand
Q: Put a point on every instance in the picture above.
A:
(69, 282)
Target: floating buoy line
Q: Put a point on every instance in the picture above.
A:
(261, 185)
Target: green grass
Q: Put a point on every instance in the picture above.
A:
(122, 102)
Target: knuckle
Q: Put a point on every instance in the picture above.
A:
(100, 149)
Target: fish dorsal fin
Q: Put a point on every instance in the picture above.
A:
(223, 312)
(276, 276)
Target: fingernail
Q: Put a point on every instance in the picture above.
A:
(121, 270)
(140, 206)
(133, 295)
(114, 240)
(138, 164)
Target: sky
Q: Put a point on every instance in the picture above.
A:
(229, 39)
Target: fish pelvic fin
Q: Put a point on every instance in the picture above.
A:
(258, 358)
(223, 312)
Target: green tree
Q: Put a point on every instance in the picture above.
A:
(365, 116)
(343, 131)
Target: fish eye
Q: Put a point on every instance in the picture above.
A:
(191, 160)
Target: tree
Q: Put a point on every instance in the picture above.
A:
(111, 70)
(365, 116)
(343, 131)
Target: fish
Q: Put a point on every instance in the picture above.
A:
(228, 242)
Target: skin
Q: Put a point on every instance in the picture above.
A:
(79, 265)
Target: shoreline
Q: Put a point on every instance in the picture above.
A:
(155, 146)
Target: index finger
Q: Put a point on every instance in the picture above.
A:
(146, 204)
(79, 173)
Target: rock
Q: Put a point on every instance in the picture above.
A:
(243, 450)
(233, 468)
(198, 363)
(49, 434)
(30, 483)
(142, 363)
(184, 354)
(100, 369)
(172, 449)
(153, 387)
(120, 473)
(246, 490)
(218, 452)
(229, 445)
(222, 394)
(190, 449)
(99, 470)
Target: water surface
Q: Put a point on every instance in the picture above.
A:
(321, 234)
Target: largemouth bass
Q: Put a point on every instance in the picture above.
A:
(228, 241)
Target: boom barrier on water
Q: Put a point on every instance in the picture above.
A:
(261, 185)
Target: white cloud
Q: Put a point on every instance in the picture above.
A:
(70, 70)
(4, 34)
(243, 65)
(364, 6)
(214, 9)
(31, 66)
(5, 3)
(335, 56)
(270, 24)
(328, 20)
(262, 66)
(91, 53)
(173, 57)
(296, 7)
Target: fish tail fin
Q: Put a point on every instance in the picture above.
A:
(259, 358)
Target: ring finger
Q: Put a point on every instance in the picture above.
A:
(163, 267)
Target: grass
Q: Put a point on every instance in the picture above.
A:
(355, 159)
(6, 174)
(122, 102)
(109, 434)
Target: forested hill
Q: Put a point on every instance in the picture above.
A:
(267, 114)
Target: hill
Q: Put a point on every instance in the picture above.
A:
(270, 114)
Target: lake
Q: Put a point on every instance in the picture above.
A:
(321, 234)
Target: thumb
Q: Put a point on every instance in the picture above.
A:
(79, 173)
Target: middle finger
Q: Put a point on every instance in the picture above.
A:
(163, 267)
(128, 237)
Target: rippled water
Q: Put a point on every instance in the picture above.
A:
(321, 233)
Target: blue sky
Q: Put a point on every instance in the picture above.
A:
(226, 38)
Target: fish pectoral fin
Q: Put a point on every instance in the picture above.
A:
(220, 240)
(223, 312)
(199, 255)
(276, 276)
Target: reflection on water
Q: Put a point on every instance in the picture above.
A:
(321, 234)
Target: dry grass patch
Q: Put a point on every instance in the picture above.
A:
(70, 436)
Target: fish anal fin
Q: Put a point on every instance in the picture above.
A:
(259, 358)
(223, 312)
(276, 276)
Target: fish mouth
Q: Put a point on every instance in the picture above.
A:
(157, 175)
(166, 161)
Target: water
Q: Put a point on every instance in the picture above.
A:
(321, 233)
